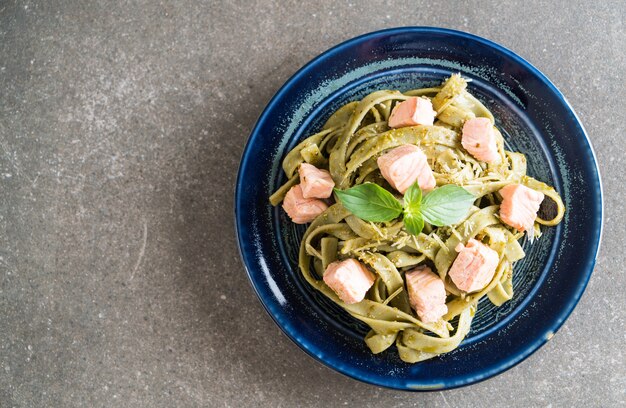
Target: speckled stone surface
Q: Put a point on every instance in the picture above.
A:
(121, 128)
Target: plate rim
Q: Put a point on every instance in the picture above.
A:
(507, 362)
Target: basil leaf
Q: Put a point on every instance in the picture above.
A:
(370, 202)
(446, 205)
(413, 198)
(413, 222)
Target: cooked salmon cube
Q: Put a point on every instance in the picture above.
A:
(479, 139)
(349, 279)
(315, 183)
(427, 294)
(413, 111)
(519, 206)
(474, 266)
(405, 164)
(302, 210)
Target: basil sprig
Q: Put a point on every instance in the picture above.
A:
(445, 205)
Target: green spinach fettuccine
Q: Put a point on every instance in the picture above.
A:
(348, 147)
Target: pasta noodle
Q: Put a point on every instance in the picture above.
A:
(348, 146)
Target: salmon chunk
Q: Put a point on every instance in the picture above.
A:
(474, 266)
(519, 206)
(405, 164)
(427, 294)
(349, 279)
(302, 210)
(315, 183)
(413, 111)
(479, 139)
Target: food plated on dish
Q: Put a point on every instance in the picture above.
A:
(363, 198)
(427, 212)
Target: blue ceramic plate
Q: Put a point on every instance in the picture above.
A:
(535, 119)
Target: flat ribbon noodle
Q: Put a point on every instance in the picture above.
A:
(348, 146)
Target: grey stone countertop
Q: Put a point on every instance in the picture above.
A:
(121, 128)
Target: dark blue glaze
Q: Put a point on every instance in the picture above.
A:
(535, 119)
